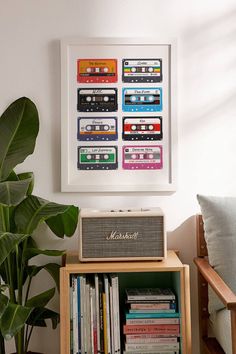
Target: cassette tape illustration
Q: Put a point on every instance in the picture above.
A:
(142, 157)
(142, 99)
(97, 129)
(142, 128)
(96, 70)
(142, 70)
(97, 158)
(97, 100)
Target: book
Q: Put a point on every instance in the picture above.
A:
(79, 313)
(144, 311)
(82, 313)
(154, 328)
(75, 315)
(148, 321)
(105, 323)
(96, 284)
(87, 317)
(150, 294)
(108, 322)
(101, 313)
(116, 311)
(151, 346)
(151, 352)
(71, 317)
(112, 329)
(150, 338)
(151, 315)
(168, 304)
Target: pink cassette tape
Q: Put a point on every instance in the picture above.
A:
(145, 157)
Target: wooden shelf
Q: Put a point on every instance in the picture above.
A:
(178, 274)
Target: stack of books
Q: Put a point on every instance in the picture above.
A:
(95, 318)
(152, 323)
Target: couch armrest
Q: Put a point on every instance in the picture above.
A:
(215, 281)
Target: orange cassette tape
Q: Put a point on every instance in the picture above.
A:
(96, 70)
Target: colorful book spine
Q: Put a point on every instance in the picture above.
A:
(155, 305)
(75, 315)
(79, 313)
(150, 294)
(101, 314)
(152, 311)
(140, 338)
(144, 336)
(96, 284)
(149, 321)
(151, 352)
(151, 346)
(105, 323)
(151, 315)
(158, 328)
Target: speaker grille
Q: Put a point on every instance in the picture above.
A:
(149, 242)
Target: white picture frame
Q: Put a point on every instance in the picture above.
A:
(73, 179)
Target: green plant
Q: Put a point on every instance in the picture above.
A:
(20, 214)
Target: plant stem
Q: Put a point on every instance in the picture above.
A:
(28, 289)
(2, 216)
(19, 295)
(20, 342)
(28, 339)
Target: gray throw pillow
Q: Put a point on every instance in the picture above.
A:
(219, 216)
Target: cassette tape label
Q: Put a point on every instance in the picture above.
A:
(142, 128)
(142, 100)
(97, 158)
(142, 157)
(142, 70)
(97, 129)
(96, 70)
(97, 100)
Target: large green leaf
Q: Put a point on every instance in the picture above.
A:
(19, 126)
(3, 303)
(8, 241)
(26, 175)
(52, 268)
(13, 192)
(64, 224)
(34, 210)
(32, 252)
(42, 299)
(13, 319)
(39, 315)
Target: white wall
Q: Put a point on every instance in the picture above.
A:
(30, 31)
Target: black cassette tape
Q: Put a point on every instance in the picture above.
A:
(97, 100)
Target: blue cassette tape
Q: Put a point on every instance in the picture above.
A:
(142, 99)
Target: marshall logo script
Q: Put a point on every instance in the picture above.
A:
(116, 235)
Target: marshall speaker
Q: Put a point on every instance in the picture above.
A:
(119, 235)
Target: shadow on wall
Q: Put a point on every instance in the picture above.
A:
(209, 57)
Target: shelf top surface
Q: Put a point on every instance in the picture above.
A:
(171, 263)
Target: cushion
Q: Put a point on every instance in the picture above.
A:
(220, 322)
(219, 216)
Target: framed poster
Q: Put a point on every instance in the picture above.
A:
(118, 124)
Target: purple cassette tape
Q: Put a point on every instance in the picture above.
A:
(148, 157)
